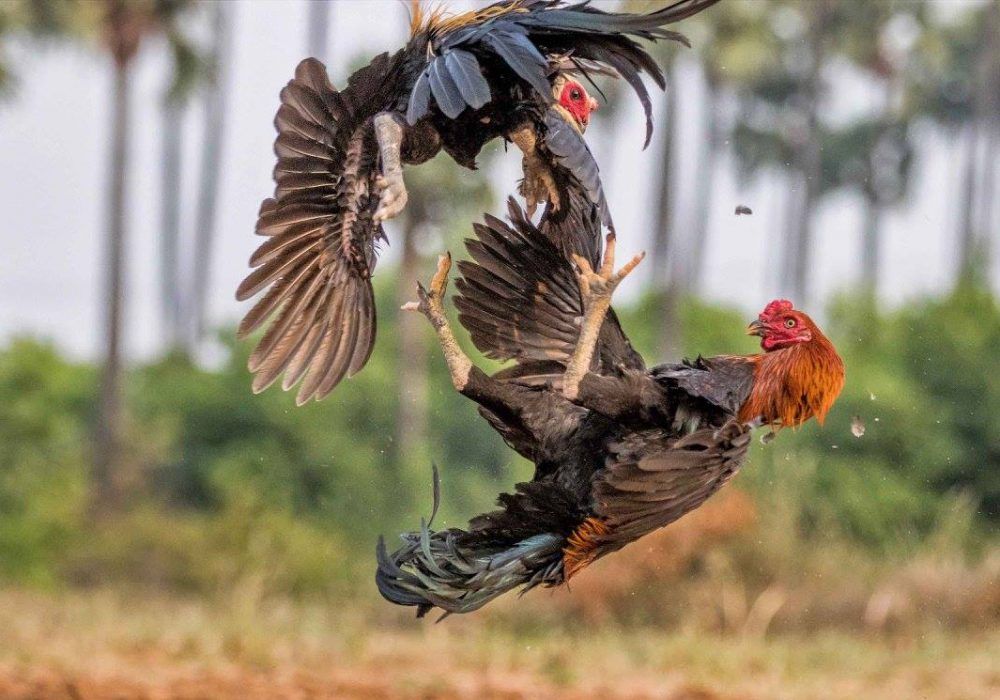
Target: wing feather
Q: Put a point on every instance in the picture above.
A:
(446, 93)
(571, 152)
(465, 70)
(317, 261)
(519, 298)
(652, 478)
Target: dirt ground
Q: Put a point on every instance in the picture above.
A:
(108, 646)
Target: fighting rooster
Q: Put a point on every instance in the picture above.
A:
(510, 71)
(619, 450)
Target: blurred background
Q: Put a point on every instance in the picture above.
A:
(165, 533)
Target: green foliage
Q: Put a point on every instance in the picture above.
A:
(230, 489)
(249, 487)
(44, 417)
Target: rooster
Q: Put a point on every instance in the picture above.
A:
(510, 71)
(619, 450)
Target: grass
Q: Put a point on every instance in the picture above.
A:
(108, 644)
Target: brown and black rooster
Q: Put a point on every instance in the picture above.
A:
(619, 450)
(510, 71)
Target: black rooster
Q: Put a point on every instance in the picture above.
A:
(505, 71)
(619, 450)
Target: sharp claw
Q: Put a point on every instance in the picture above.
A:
(439, 283)
(629, 266)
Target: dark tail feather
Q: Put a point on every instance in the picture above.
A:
(458, 572)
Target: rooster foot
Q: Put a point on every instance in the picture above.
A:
(596, 288)
(431, 302)
(431, 305)
(394, 196)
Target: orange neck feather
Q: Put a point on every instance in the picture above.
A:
(796, 383)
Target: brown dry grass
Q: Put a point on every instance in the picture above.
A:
(105, 645)
(728, 603)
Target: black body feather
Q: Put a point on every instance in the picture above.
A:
(635, 451)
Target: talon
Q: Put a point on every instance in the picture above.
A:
(439, 283)
(393, 195)
(629, 266)
(608, 264)
(597, 287)
(582, 263)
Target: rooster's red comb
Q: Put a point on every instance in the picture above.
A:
(776, 307)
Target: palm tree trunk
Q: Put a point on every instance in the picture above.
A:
(988, 112)
(810, 158)
(967, 257)
(989, 226)
(411, 362)
(871, 239)
(788, 247)
(172, 146)
(318, 29)
(110, 416)
(871, 234)
(705, 180)
(211, 163)
(664, 282)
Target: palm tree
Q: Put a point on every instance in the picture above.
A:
(122, 25)
(956, 83)
(119, 27)
(188, 70)
(882, 148)
(734, 45)
(123, 28)
(666, 287)
(216, 90)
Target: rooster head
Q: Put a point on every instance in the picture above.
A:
(780, 325)
(574, 99)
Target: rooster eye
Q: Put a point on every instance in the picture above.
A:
(575, 94)
(790, 323)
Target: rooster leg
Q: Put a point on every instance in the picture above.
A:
(389, 133)
(513, 404)
(596, 288)
(431, 305)
(538, 184)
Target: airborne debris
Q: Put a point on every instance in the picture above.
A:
(742, 209)
(767, 437)
(857, 426)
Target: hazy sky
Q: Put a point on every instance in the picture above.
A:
(53, 143)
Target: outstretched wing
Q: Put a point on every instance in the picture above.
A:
(524, 35)
(651, 479)
(520, 299)
(317, 261)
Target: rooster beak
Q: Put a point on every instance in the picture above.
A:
(593, 104)
(755, 328)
